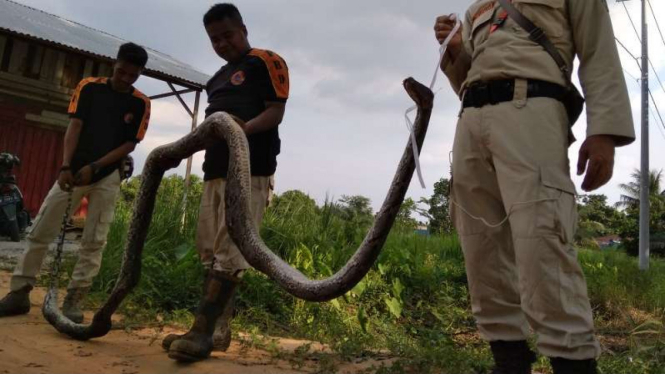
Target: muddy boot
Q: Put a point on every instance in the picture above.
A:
(70, 307)
(222, 336)
(197, 344)
(512, 357)
(170, 338)
(221, 339)
(565, 366)
(16, 302)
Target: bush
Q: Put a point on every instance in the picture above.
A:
(414, 302)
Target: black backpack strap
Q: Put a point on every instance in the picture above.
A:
(537, 35)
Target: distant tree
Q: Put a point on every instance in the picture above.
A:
(293, 199)
(631, 196)
(438, 208)
(630, 201)
(597, 217)
(405, 217)
(356, 211)
(356, 207)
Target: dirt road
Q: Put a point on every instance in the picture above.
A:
(28, 344)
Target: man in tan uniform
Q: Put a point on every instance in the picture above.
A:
(511, 160)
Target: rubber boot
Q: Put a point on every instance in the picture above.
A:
(170, 338)
(512, 357)
(197, 344)
(222, 336)
(70, 307)
(221, 339)
(565, 366)
(16, 302)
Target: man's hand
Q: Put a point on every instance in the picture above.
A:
(442, 28)
(598, 151)
(84, 176)
(66, 180)
(241, 123)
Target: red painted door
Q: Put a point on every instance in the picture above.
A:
(40, 151)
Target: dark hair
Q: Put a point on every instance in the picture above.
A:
(134, 54)
(220, 12)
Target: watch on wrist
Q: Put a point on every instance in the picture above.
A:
(65, 168)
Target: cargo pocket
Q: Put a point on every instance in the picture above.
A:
(104, 224)
(558, 216)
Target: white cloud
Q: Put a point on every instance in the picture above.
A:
(343, 132)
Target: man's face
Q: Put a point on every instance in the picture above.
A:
(228, 38)
(125, 75)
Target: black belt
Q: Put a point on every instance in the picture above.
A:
(479, 94)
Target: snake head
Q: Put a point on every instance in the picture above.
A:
(421, 95)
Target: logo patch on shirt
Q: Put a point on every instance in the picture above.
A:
(238, 78)
(129, 118)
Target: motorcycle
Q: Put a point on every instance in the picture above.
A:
(14, 219)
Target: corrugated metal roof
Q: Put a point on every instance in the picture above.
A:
(34, 23)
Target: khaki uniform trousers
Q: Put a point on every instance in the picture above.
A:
(524, 272)
(213, 241)
(102, 197)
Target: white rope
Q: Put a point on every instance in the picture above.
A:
(409, 123)
(510, 211)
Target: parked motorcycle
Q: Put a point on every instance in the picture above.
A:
(14, 219)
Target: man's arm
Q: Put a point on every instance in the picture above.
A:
(66, 178)
(457, 61)
(71, 140)
(609, 116)
(116, 154)
(268, 119)
(600, 72)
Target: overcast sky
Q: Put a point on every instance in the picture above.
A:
(343, 132)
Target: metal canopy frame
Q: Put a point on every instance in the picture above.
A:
(192, 114)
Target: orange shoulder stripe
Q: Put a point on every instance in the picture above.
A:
(73, 104)
(279, 71)
(143, 127)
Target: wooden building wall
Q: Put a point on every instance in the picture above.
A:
(36, 82)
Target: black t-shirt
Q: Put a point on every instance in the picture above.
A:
(110, 119)
(242, 89)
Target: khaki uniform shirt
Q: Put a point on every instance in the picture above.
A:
(576, 27)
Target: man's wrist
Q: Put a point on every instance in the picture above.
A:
(609, 137)
(94, 167)
(65, 168)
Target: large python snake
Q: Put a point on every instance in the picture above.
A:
(242, 230)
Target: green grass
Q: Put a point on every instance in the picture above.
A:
(413, 304)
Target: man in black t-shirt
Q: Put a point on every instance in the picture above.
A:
(108, 118)
(253, 86)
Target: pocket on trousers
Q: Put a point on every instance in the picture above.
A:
(104, 224)
(560, 217)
